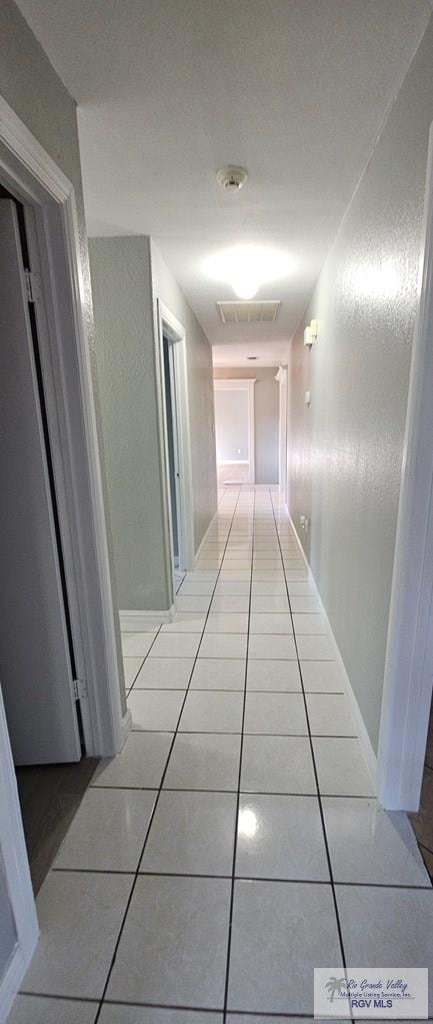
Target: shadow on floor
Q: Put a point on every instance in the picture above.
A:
(49, 797)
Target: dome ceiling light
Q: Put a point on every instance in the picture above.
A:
(247, 267)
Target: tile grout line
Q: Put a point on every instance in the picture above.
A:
(219, 689)
(204, 1010)
(238, 795)
(203, 732)
(144, 658)
(158, 794)
(319, 795)
(245, 792)
(242, 878)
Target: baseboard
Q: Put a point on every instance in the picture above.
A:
(125, 727)
(204, 538)
(11, 982)
(141, 621)
(364, 739)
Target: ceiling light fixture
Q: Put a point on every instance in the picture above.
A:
(232, 178)
(247, 267)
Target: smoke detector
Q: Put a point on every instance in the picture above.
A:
(232, 178)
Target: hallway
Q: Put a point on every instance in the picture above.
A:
(156, 899)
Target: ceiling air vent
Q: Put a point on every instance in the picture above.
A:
(248, 312)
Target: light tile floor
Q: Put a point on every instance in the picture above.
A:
(235, 843)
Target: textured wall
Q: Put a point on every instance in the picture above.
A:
(200, 394)
(266, 417)
(345, 451)
(125, 354)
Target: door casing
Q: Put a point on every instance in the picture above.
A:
(168, 325)
(30, 174)
(38, 674)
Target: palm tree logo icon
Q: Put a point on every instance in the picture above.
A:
(334, 986)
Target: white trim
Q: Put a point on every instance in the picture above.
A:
(234, 462)
(30, 174)
(363, 737)
(281, 377)
(10, 983)
(33, 158)
(126, 727)
(166, 319)
(14, 855)
(139, 621)
(205, 537)
(184, 438)
(242, 384)
(409, 657)
(232, 383)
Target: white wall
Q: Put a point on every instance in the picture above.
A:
(125, 357)
(266, 417)
(231, 426)
(346, 450)
(128, 277)
(200, 394)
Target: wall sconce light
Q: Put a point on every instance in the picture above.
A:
(310, 333)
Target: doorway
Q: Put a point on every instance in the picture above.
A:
(171, 412)
(176, 445)
(281, 378)
(57, 628)
(38, 665)
(234, 431)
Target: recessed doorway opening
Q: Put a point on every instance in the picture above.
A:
(234, 431)
(177, 444)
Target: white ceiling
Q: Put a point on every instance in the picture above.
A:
(170, 90)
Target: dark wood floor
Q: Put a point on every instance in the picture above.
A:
(423, 821)
(49, 797)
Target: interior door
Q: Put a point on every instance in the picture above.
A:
(35, 657)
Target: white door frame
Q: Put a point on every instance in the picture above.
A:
(167, 323)
(409, 657)
(14, 854)
(281, 377)
(30, 174)
(176, 447)
(243, 384)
